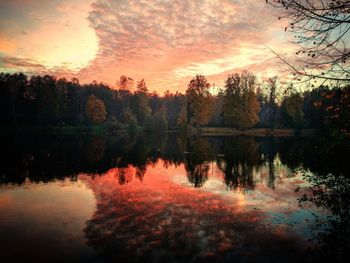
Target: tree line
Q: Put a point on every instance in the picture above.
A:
(244, 102)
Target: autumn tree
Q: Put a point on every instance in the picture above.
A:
(199, 101)
(338, 109)
(95, 110)
(241, 106)
(125, 83)
(321, 29)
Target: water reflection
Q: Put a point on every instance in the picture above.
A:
(197, 161)
(240, 159)
(162, 220)
(167, 198)
(45, 222)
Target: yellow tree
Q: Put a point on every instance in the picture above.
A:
(95, 110)
(199, 101)
(241, 106)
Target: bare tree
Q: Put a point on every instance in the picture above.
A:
(322, 31)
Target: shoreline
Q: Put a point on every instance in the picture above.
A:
(257, 132)
(203, 131)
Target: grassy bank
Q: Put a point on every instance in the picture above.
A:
(102, 129)
(224, 131)
(33, 129)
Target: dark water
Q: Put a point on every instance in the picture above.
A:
(163, 198)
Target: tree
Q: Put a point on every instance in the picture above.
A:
(160, 119)
(46, 101)
(293, 108)
(338, 109)
(241, 106)
(130, 118)
(95, 110)
(17, 88)
(140, 102)
(272, 87)
(182, 119)
(271, 93)
(321, 28)
(174, 104)
(217, 119)
(156, 122)
(199, 101)
(125, 83)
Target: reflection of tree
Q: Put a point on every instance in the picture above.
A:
(291, 152)
(170, 223)
(196, 164)
(140, 172)
(241, 156)
(197, 173)
(95, 149)
(124, 175)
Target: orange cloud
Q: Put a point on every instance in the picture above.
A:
(165, 42)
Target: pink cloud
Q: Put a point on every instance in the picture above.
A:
(156, 40)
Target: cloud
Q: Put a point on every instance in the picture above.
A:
(168, 42)
(40, 33)
(164, 41)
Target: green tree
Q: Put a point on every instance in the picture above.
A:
(241, 106)
(130, 118)
(156, 122)
(95, 110)
(199, 101)
(160, 119)
(46, 101)
(292, 106)
(182, 119)
(140, 102)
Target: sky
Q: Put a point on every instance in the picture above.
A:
(165, 42)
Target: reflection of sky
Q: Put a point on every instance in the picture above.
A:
(165, 205)
(157, 215)
(48, 216)
(279, 204)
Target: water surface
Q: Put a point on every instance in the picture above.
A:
(169, 199)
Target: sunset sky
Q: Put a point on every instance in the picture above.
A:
(166, 42)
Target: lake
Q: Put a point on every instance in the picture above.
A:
(167, 198)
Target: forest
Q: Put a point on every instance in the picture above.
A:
(244, 102)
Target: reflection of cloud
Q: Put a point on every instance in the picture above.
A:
(158, 218)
